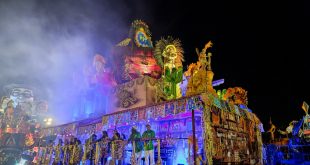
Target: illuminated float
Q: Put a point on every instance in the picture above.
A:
(21, 117)
(292, 146)
(152, 88)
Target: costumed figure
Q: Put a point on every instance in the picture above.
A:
(72, 149)
(104, 147)
(148, 136)
(66, 152)
(9, 115)
(77, 153)
(58, 150)
(101, 85)
(49, 153)
(200, 74)
(91, 149)
(271, 131)
(169, 55)
(117, 148)
(137, 145)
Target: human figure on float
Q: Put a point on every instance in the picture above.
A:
(137, 146)
(148, 136)
(101, 83)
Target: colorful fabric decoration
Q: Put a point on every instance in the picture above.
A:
(169, 108)
(180, 106)
(159, 111)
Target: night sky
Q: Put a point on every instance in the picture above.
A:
(258, 46)
(261, 46)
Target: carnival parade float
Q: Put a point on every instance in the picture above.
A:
(147, 86)
(21, 117)
(291, 146)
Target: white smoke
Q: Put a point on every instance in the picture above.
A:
(43, 43)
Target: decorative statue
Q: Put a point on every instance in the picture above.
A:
(133, 57)
(288, 129)
(205, 63)
(20, 94)
(199, 74)
(271, 130)
(174, 77)
(102, 76)
(236, 95)
(221, 93)
(169, 55)
(4, 103)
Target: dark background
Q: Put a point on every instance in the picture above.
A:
(260, 46)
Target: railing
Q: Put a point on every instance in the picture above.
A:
(45, 153)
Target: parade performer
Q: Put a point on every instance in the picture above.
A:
(66, 152)
(104, 147)
(92, 149)
(117, 148)
(148, 137)
(136, 136)
(77, 152)
(58, 153)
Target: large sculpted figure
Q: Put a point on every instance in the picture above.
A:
(199, 74)
(169, 55)
(98, 88)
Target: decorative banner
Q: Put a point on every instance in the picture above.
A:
(180, 106)
(149, 112)
(58, 130)
(99, 127)
(105, 120)
(159, 111)
(80, 131)
(117, 118)
(190, 104)
(134, 116)
(164, 126)
(141, 114)
(124, 117)
(169, 108)
(111, 120)
(199, 104)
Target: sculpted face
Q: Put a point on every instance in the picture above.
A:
(21, 95)
(4, 102)
(170, 52)
(99, 66)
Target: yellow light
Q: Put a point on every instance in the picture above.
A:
(50, 119)
(48, 123)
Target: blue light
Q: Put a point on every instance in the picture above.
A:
(180, 154)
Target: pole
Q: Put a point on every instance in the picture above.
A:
(194, 136)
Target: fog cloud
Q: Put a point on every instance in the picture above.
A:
(44, 43)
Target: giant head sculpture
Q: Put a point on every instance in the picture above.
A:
(20, 94)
